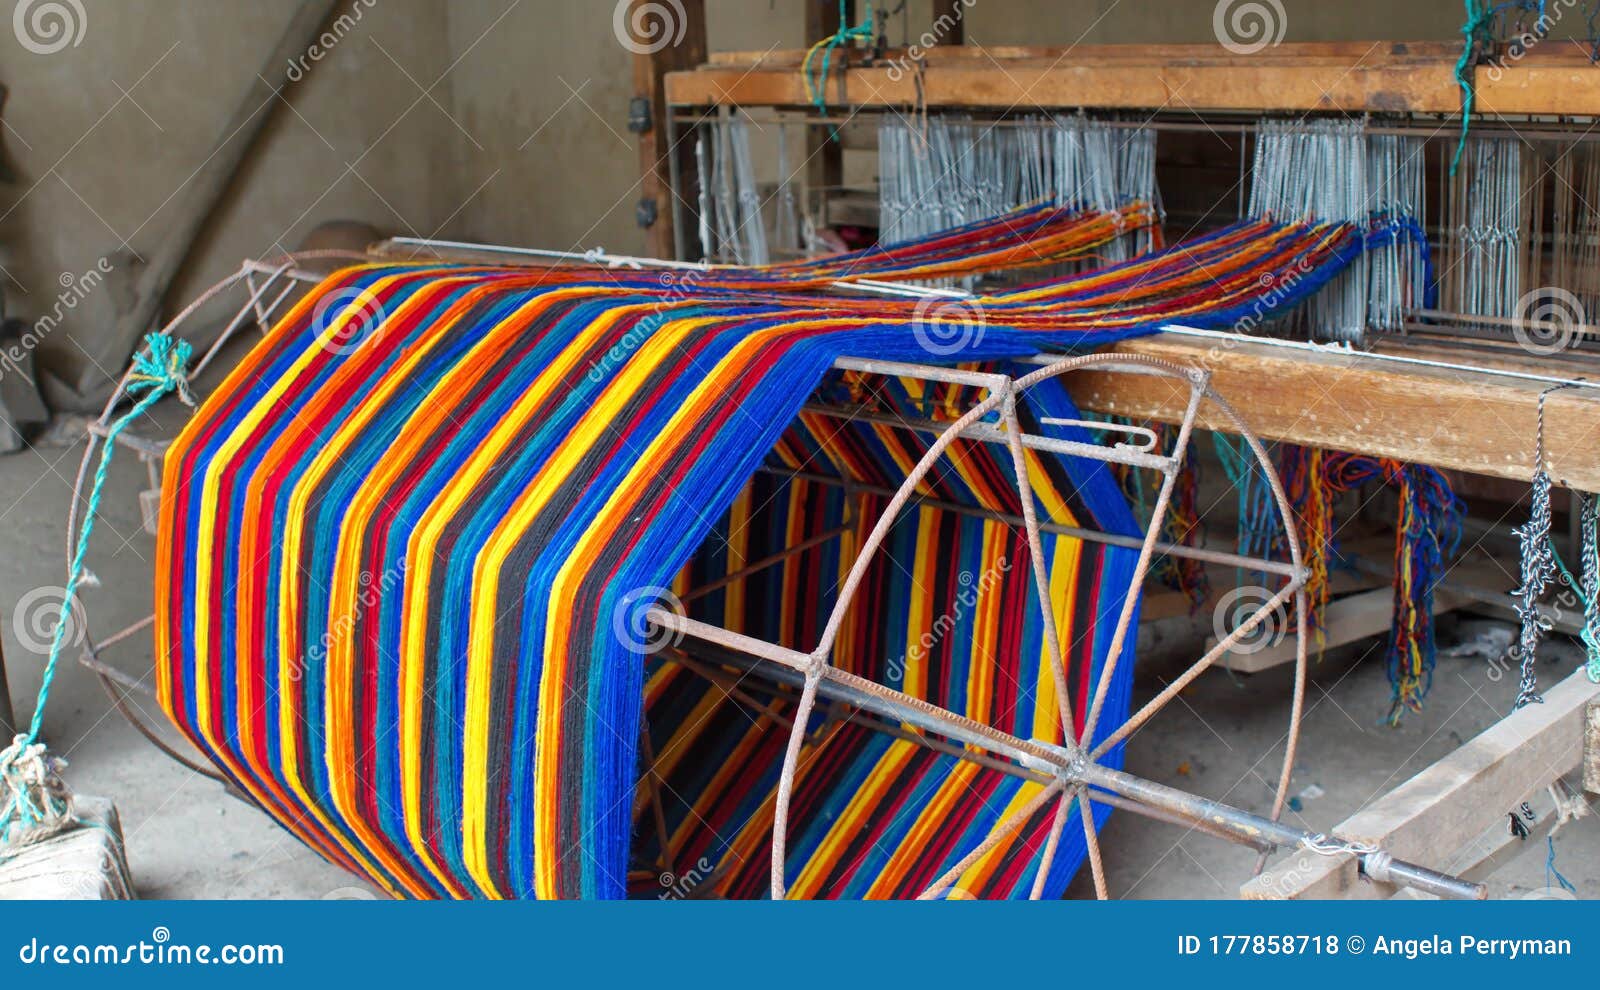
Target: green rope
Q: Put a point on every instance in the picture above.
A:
(818, 84)
(1478, 14)
(156, 372)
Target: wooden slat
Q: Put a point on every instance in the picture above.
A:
(1347, 620)
(1451, 803)
(1467, 421)
(1344, 76)
(1559, 82)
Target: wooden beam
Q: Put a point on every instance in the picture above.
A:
(652, 61)
(1469, 421)
(1451, 803)
(1390, 78)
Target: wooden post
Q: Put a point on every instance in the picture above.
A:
(948, 26)
(675, 45)
(8, 723)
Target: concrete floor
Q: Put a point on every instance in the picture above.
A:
(186, 838)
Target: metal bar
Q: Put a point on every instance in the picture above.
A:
(700, 591)
(1221, 557)
(1245, 824)
(988, 433)
(1141, 795)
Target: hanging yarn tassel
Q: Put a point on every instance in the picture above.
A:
(1306, 485)
(1426, 534)
(35, 803)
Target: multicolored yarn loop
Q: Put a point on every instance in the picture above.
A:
(403, 544)
(1427, 534)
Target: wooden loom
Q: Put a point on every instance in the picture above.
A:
(1437, 394)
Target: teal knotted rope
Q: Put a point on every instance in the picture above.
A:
(1478, 14)
(157, 371)
(845, 34)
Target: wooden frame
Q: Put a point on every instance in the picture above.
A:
(1452, 805)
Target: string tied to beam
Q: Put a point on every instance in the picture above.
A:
(816, 86)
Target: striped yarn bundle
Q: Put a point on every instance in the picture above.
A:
(1427, 533)
(394, 543)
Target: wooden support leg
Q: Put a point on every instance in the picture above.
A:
(8, 724)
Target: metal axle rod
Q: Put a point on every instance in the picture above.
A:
(785, 666)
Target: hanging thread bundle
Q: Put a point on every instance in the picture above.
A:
(1427, 533)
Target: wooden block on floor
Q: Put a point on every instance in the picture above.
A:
(85, 864)
(1452, 803)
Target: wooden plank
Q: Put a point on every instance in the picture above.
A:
(1591, 748)
(1468, 421)
(1371, 52)
(1559, 84)
(1347, 620)
(1202, 77)
(651, 64)
(1449, 804)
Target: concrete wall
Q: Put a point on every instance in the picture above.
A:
(105, 135)
(497, 119)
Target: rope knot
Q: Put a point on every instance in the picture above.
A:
(162, 367)
(35, 802)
